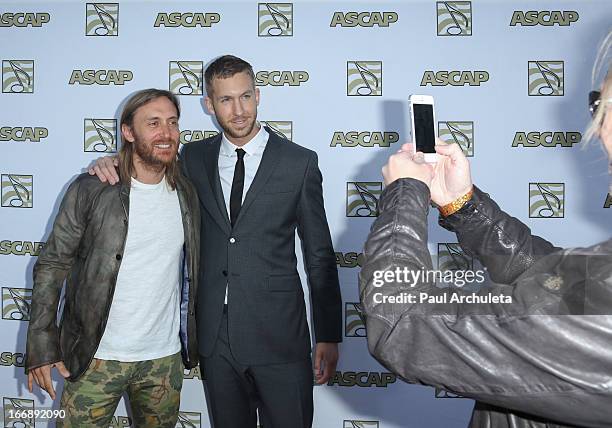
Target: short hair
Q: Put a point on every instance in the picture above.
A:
(226, 66)
(126, 153)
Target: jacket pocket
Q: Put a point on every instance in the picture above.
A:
(286, 283)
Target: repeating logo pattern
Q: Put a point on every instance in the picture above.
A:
(452, 257)
(454, 18)
(546, 200)
(275, 19)
(545, 78)
(17, 191)
(18, 76)
(100, 135)
(364, 78)
(353, 325)
(362, 198)
(186, 77)
(16, 303)
(360, 424)
(283, 128)
(102, 19)
(461, 133)
(189, 420)
(13, 405)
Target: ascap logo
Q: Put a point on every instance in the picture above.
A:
(362, 379)
(363, 19)
(14, 409)
(23, 134)
(283, 128)
(349, 260)
(275, 19)
(193, 373)
(100, 135)
(353, 324)
(353, 423)
(20, 248)
(281, 78)
(454, 18)
(17, 191)
(546, 18)
(20, 19)
(364, 139)
(546, 200)
(364, 78)
(608, 202)
(188, 19)
(545, 78)
(100, 77)
(459, 132)
(452, 257)
(454, 78)
(546, 139)
(102, 19)
(186, 77)
(187, 136)
(189, 420)
(17, 76)
(12, 359)
(362, 198)
(441, 393)
(121, 422)
(16, 303)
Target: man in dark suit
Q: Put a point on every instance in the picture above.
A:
(256, 188)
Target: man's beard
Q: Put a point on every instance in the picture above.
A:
(237, 133)
(146, 154)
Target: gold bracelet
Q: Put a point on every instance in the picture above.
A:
(456, 205)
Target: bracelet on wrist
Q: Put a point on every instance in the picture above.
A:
(456, 205)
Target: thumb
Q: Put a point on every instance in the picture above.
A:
(61, 368)
(451, 150)
(116, 160)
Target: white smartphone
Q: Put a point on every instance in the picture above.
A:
(423, 126)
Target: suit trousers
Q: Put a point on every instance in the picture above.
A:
(282, 393)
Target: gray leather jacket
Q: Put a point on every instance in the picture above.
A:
(85, 248)
(544, 360)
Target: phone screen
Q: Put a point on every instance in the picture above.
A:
(424, 128)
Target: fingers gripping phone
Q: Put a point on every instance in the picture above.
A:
(423, 126)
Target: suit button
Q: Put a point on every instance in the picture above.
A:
(232, 240)
(224, 273)
(118, 256)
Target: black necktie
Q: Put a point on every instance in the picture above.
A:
(237, 187)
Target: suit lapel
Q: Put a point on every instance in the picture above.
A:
(214, 201)
(269, 161)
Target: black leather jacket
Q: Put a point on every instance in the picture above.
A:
(85, 248)
(544, 360)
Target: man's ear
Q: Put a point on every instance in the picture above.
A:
(209, 105)
(126, 131)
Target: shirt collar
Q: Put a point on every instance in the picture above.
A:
(254, 146)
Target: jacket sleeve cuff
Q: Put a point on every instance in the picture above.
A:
(395, 195)
(455, 221)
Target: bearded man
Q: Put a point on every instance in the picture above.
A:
(129, 255)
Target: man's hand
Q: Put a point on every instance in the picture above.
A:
(104, 168)
(42, 376)
(452, 178)
(407, 164)
(326, 358)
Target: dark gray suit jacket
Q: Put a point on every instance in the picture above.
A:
(256, 258)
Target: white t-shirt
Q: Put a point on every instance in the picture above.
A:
(143, 323)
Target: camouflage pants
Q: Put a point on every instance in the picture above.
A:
(153, 388)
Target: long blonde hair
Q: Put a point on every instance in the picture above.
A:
(602, 65)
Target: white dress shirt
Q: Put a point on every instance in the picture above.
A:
(227, 163)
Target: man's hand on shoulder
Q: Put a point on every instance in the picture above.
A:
(326, 359)
(105, 169)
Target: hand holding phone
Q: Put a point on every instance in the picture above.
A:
(423, 126)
